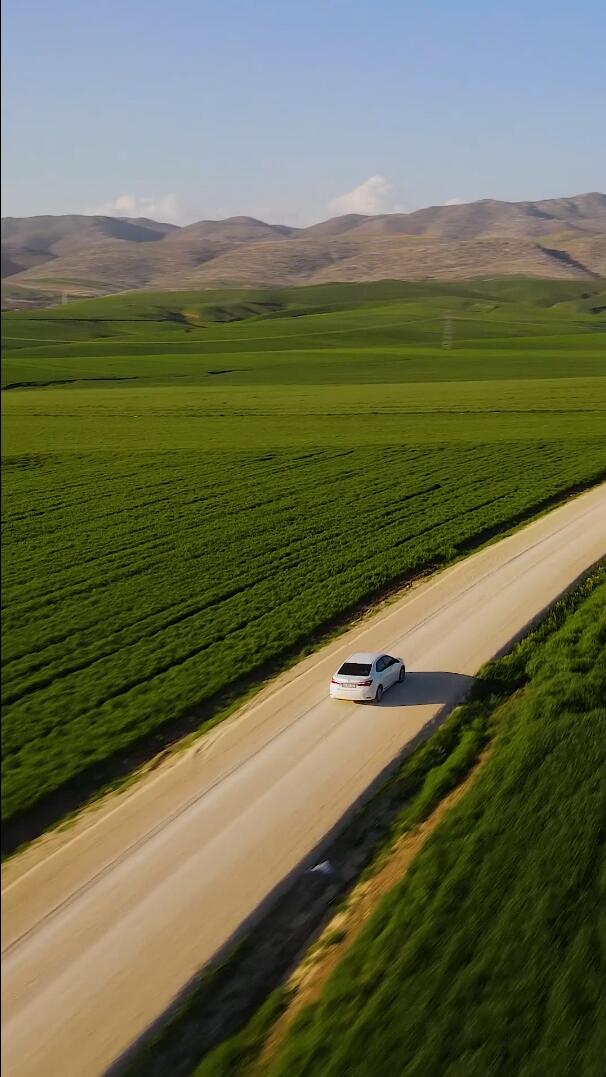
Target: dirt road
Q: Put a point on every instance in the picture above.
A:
(105, 922)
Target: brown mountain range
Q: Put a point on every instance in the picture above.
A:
(562, 237)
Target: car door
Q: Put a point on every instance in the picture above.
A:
(381, 671)
(384, 671)
(391, 669)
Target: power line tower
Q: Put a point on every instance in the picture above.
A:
(448, 332)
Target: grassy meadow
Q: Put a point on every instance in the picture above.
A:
(195, 485)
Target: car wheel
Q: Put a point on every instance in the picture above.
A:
(379, 694)
(402, 675)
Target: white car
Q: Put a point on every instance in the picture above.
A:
(366, 676)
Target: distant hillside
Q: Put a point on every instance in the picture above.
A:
(78, 255)
(32, 241)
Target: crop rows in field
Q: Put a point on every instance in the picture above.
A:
(136, 589)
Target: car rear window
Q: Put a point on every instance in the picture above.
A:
(354, 669)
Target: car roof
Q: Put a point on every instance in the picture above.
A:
(364, 657)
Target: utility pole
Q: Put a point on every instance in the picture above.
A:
(448, 332)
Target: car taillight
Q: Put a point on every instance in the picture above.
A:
(363, 684)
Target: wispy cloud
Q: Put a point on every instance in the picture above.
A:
(454, 202)
(374, 195)
(166, 208)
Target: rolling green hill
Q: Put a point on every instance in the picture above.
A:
(197, 485)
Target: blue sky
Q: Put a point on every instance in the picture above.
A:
(294, 110)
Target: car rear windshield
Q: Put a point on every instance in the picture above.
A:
(354, 669)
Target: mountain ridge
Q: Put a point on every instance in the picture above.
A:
(89, 254)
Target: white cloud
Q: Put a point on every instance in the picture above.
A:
(164, 208)
(454, 202)
(375, 195)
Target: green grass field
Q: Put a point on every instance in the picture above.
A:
(196, 485)
(488, 958)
